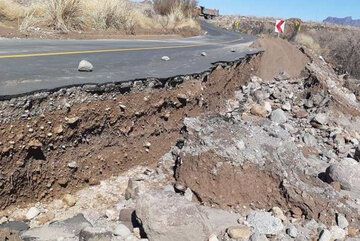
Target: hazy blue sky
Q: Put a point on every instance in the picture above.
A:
(316, 10)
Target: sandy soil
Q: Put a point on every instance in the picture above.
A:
(280, 56)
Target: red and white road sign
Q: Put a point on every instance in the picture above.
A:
(280, 26)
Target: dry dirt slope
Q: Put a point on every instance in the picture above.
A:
(279, 56)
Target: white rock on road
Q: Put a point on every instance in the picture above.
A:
(264, 223)
(85, 66)
(165, 58)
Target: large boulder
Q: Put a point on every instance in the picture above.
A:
(168, 216)
(68, 229)
(346, 172)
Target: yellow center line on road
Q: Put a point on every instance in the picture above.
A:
(113, 50)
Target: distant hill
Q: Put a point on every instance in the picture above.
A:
(348, 21)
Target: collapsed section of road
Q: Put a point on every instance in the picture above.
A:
(127, 115)
(277, 155)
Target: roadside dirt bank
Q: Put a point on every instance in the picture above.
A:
(107, 136)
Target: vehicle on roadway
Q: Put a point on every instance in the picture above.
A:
(206, 12)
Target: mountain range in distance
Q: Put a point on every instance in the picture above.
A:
(347, 21)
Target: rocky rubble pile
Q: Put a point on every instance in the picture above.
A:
(285, 144)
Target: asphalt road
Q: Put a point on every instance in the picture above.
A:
(33, 65)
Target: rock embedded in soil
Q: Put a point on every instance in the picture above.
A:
(132, 189)
(282, 77)
(35, 144)
(32, 213)
(278, 116)
(309, 140)
(296, 212)
(279, 213)
(58, 129)
(264, 223)
(69, 200)
(259, 96)
(319, 120)
(286, 106)
(111, 214)
(73, 165)
(337, 233)
(292, 231)
(239, 232)
(3, 220)
(258, 237)
(325, 235)
(46, 217)
(73, 120)
(341, 221)
(258, 110)
(156, 211)
(188, 194)
(95, 233)
(121, 230)
(213, 237)
(268, 107)
(301, 114)
(67, 229)
(346, 172)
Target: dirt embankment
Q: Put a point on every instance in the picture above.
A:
(280, 56)
(47, 155)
